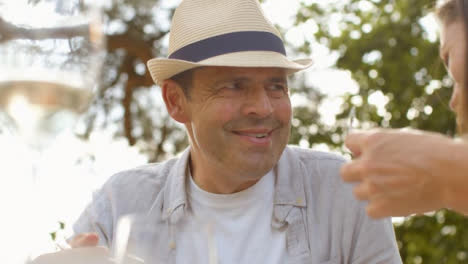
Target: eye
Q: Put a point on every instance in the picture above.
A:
(277, 89)
(280, 86)
(232, 86)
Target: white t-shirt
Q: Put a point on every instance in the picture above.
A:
(234, 228)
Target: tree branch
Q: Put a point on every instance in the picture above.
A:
(136, 47)
(127, 101)
(9, 31)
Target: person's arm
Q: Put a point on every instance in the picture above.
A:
(402, 172)
(365, 239)
(373, 241)
(94, 226)
(456, 184)
(355, 237)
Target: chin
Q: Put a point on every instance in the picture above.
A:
(256, 169)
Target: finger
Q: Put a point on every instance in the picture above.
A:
(84, 240)
(355, 142)
(394, 183)
(361, 191)
(387, 206)
(367, 191)
(354, 171)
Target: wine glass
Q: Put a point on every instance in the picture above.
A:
(146, 237)
(51, 53)
(140, 237)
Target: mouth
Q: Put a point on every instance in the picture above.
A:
(256, 137)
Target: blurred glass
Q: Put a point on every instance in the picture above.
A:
(138, 237)
(51, 53)
(147, 238)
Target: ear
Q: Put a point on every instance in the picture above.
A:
(175, 100)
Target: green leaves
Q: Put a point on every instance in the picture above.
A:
(387, 49)
(53, 235)
(436, 238)
(391, 57)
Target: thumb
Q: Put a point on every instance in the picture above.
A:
(84, 240)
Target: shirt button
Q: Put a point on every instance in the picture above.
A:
(172, 245)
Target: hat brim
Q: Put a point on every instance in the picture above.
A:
(162, 69)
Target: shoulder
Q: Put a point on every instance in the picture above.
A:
(321, 174)
(149, 176)
(310, 154)
(317, 161)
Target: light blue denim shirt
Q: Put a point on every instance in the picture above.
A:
(324, 222)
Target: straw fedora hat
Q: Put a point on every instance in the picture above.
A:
(232, 33)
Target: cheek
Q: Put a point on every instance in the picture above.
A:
(283, 110)
(220, 112)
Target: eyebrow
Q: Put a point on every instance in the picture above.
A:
(230, 79)
(246, 79)
(278, 79)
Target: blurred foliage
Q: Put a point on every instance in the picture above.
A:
(441, 237)
(386, 47)
(128, 101)
(388, 51)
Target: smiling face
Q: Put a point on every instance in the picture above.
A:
(238, 120)
(453, 52)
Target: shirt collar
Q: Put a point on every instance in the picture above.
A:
(289, 188)
(175, 197)
(290, 173)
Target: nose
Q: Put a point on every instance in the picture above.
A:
(258, 103)
(454, 98)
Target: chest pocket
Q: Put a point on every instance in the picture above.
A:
(296, 235)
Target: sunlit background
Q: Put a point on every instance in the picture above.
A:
(80, 161)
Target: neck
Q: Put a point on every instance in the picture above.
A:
(218, 180)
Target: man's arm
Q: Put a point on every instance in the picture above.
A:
(95, 225)
(364, 240)
(354, 238)
(374, 242)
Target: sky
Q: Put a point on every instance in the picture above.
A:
(38, 191)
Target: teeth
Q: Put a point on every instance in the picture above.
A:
(257, 135)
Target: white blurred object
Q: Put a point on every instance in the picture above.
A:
(51, 54)
(86, 255)
(140, 237)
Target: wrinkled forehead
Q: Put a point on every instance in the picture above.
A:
(254, 73)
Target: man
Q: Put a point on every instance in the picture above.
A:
(226, 81)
